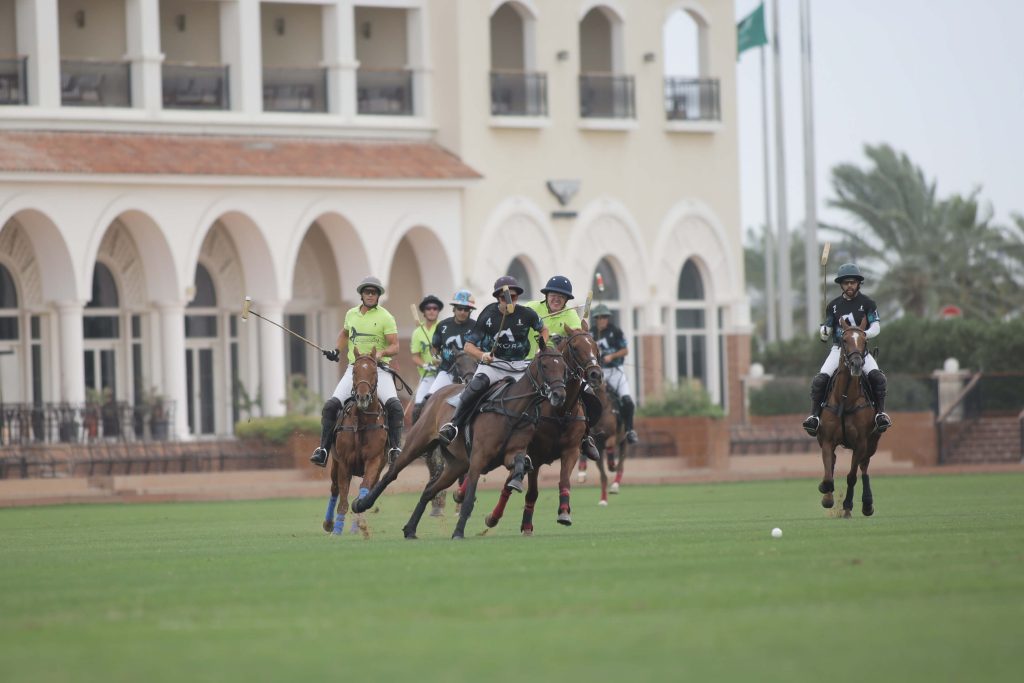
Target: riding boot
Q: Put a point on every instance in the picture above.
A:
(819, 385)
(589, 448)
(467, 402)
(395, 422)
(626, 407)
(877, 379)
(328, 421)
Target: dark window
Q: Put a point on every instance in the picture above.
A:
(8, 292)
(690, 319)
(104, 288)
(517, 269)
(136, 327)
(8, 327)
(200, 326)
(296, 347)
(35, 327)
(206, 295)
(605, 275)
(101, 327)
(690, 284)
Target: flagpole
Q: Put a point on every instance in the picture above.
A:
(785, 288)
(810, 191)
(769, 253)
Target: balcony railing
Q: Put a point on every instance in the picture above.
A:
(606, 96)
(297, 89)
(384, 92)
(692, 99)
(95, 83)
(519, 93)
(190, 86)
(13, 83)
(27, 423)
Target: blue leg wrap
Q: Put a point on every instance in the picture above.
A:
(339, 524)
(332, 503)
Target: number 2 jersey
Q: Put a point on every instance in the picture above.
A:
(449, 338)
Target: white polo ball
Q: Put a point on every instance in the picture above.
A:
(776, 532)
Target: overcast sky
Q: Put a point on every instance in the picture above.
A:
(941, 80)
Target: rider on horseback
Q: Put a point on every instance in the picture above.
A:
(854, 306)
(422, 356)
(450, 336)
(556, 316)
(367, 326)
(501, 334)
(612, 343)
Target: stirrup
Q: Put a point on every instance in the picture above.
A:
(882, 422)
(393, 454)
(319, 457)
(447, 433)
(810, 425)
(631, 437)
(589, 448)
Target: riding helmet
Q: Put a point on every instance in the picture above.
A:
(559, 284)
(600, 310)
(463, 297)
(507, 280)
(431, 299)
(370, 281)
(848, 270)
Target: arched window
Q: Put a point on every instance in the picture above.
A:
(690, 94)
(100, 319)
(691, 325)
(104, 288)
(8, 300)
(517, 269)
(605, 287)
(201, 325)
(516, 89)
(605, 91)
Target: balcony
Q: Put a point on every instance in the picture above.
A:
(88, 83)
(692, 99)
(13, 83)
(519, 93)
(190, 86)
(384, 92)
(606, 96)
(295, 89)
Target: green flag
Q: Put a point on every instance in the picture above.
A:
(750, 32)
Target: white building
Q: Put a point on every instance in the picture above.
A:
(162, 159)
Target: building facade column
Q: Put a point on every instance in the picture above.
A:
(272, 360)
(241, 49)
(143, 38)
(340, 58)
(38, 40)
(172, 331)
(72, 350)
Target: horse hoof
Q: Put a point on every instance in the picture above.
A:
(357, 506)
(868, 510)
(847, 514)
(527, 531)
(457, 496)
(827, 501)
(826, 487)
(490, 522)
(614, 487)
(328, 525)
(458, 536)
(603, 502)
(564, 519)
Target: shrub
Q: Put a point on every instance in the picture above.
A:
(687, 400)
(782, 396)
(904, 392)
(277, 429)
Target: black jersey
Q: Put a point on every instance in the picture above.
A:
(854, 310)
(610, 340)
(449, 338)
(512, 341)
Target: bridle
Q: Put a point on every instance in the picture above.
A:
(545, 386)
(581, 365)
(848, 356)
(371, 386)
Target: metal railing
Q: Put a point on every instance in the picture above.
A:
(93, 83)
(191, 86)
(607, 96)
(519, 93)
(295, 89)
(692, 99)
(384, 92)
(27, 423)
(13, 80)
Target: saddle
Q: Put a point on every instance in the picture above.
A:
(865, 389)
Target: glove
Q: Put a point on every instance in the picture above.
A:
(334, 355)
(430, 369)
(825, 333)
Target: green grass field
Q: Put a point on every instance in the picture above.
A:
(668, 583)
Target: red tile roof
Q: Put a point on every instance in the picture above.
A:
(201, 155)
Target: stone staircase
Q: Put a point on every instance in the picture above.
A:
(989, 440)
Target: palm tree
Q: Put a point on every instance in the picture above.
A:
(930, 251)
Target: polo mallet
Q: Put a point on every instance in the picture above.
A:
(247, 311)
(824, 274)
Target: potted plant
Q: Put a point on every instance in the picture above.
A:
(159, 415)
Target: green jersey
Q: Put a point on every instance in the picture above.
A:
(419, 345)
(555, 323)
(368, 331)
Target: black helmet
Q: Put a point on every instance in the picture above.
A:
(848, 270)
(559, 284)
(431, 299)
(510, 282)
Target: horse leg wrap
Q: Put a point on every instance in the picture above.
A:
(339, 524)
(563, 500)
(518, 472)
(332, 504)
(328, 420)
(618, 477)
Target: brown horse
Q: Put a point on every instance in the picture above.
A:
(610, 435)
(359, 444)
(848, 419)
(559, 434)
(502, 429)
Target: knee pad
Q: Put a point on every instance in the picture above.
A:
(394, 407)
(626, 402)
(878, 381)
(819, 382)
(331, 409)
(479, 382)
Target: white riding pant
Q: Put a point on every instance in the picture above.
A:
(441, 380)
(617, 381)
(831, 363)
(503, 369)
(385, 386)
(425, 387)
